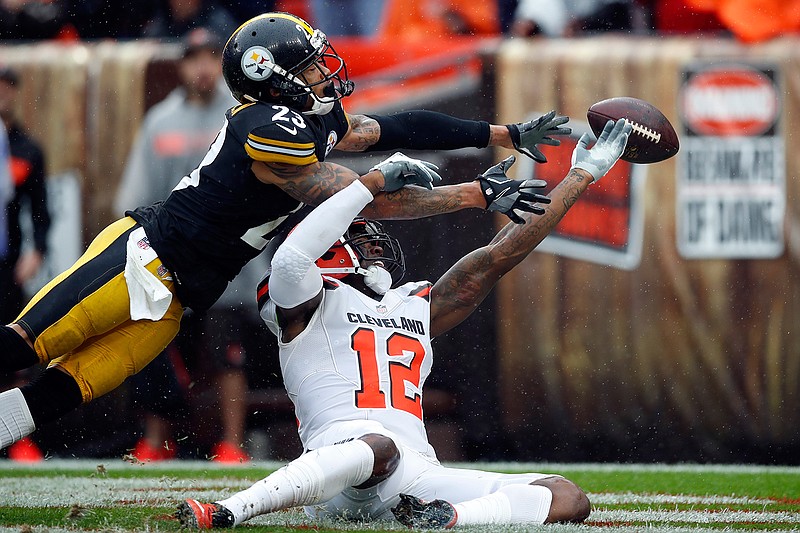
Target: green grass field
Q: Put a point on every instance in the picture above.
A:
(113, 495)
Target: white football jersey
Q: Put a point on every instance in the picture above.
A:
(360, 359)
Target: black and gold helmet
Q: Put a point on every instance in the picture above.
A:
(264, 58)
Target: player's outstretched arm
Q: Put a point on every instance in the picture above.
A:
(313, 184)
(465, 285)
(429, 130)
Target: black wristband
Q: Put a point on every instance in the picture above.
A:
(429, 130)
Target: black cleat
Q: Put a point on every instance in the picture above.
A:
(195, 515)
(416, 514)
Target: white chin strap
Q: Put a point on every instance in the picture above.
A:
(321, 106)
(376, 278)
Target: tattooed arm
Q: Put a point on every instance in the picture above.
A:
(312, 184)
(465, 285)
(363, 133)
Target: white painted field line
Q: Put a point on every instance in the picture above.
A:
(651, 499)
(117, 463)
(698, 517)
(98, 491)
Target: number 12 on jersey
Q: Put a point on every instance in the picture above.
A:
(370, 395)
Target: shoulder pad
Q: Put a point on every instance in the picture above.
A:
(281, 136)
(329, 284)
(421, 290)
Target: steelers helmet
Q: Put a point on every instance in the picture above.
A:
(264, 58)
(346, 256)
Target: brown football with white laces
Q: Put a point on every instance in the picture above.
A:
(652, 139)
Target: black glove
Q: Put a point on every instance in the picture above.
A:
(400, 170)
(527, 135)
(506, 195)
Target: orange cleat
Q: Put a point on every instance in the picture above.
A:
(25, 451)
(226, 452)
(193, 514)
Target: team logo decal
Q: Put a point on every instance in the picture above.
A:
(163, 273)
(332, 140)
(257, 63)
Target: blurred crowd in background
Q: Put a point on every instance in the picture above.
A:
(749, 20)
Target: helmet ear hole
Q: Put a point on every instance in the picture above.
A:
(327, 256)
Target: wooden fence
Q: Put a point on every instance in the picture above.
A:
(682, 359)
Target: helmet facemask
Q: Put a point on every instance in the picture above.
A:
(358, 247)
(338, 83)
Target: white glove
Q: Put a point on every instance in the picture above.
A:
(400, 170)
(606, 151)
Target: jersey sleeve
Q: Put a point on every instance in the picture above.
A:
(287, 138)
(269, 315)
(418, 289)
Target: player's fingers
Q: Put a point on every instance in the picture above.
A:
(619, 131)
(549, 141)
(607, 129)
(429, 177)
(434, 175)
(530, 207)
(533, 184)
(537, 155)
(515, 218)
(547, 117)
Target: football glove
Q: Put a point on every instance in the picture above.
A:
(508, 196)
(606, 151)
(400, 170)
(525, 136)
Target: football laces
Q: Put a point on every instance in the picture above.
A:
(645, 132)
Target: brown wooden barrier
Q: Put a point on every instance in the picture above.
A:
(676, 359)
(85, 102)
(682, 359)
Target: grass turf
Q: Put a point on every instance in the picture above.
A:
(113, 495)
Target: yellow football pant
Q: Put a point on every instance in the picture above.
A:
(81, 322)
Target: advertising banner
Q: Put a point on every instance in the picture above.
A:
(731, 169)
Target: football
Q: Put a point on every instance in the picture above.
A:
(652, 139)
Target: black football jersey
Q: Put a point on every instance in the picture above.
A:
(221, 216)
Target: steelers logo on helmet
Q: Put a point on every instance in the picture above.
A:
(257, 63)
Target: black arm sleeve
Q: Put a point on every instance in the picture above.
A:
(428, 130)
